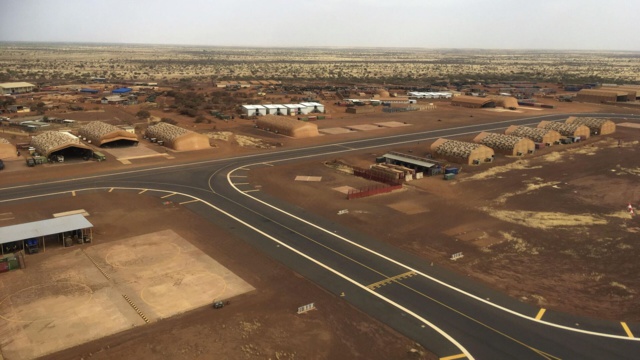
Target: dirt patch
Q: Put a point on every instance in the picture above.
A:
(525, 226)
(262, 323)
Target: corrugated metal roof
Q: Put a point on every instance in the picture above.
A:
(43, 228)
(16, 85)
(409, 160)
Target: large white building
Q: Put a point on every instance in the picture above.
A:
(254, 110)
(313, 107)
(430, 95)
(16, 88)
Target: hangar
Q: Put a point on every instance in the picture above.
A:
(51, 143)
(177, 138)
(287, 126)
(540, 136)
(596, 125)
(506, 144)
(566, 129)
(504, 101)
(603, 96)
(462, 151)
(7, 149)
(16, 88)
(101, 134)
(473, 102)
(629, 88)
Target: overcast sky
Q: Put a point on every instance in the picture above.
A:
(489, 24)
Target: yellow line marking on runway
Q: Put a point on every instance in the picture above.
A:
(242, 168)
(188, 202)
(389, 280)
(626, 329)
(166, 196)
(540, 313)
(251, 190)
(143, 191)
(240, 176)
(110, 190)
(73, 193)
(267, 164)
(453, 357)
(240, 183)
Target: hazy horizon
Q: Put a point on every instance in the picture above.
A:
(545, 25)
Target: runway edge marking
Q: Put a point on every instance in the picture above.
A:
(627, 330)
(449, 286)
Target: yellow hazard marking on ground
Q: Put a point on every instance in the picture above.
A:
(142, 192)
(626, 329)
(188, 202)
(540, 313)
(110, 190)
(453, 357)
(240, 183)
(73, 193)
(251, 190)
(166, 196)
(389, 280)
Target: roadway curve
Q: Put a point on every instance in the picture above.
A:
(445, 312)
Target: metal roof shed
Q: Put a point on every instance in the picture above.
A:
(123, 90)
(42, 228)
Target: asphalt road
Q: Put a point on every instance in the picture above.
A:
(445, 312)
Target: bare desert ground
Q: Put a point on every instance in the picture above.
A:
(151, 250)
(550, 229)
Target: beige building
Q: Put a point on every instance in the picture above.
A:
(16, 88)
(462, 152)
(566, 129)
(598, 126)
(177, 138)
(473, 102)
(287, 126)
(506, 144)
(542, 136)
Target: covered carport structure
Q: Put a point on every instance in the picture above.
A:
(41, 229)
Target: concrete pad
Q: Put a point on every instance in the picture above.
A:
(364, 127)
(83, 212)
(308, 178)
(334, 131)
(132, 152)
(530, 108)
(629, 125)
(344, 189)
(392, 124)
(506, 110)
(77, 295)
(408, 207)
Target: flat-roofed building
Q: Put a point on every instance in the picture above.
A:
(254, 110)
(604, 96)
(16, 88)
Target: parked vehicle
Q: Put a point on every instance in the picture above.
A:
(99, 156)
(31, 162)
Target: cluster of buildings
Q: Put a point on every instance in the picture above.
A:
(283, 110)
(246, 84)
